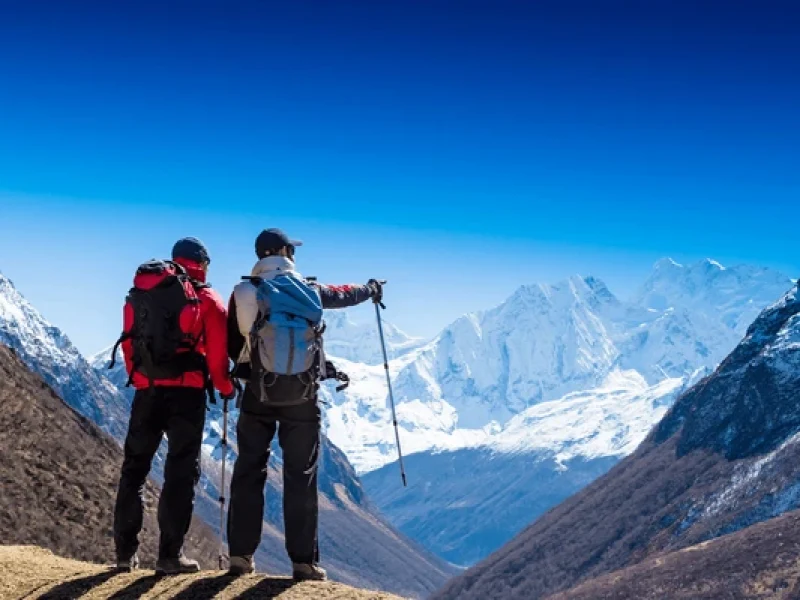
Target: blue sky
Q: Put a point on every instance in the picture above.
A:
(457, 148)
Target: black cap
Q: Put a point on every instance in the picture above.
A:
(270, 241)
(191, 249)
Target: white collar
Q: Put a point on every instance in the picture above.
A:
(269, 267)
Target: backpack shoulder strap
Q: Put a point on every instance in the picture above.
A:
(117, 344)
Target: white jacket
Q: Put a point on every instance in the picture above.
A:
(244, 295)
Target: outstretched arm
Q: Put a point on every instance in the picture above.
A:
(342, 296)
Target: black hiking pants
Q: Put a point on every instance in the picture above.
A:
(298, 429)
(180, 413)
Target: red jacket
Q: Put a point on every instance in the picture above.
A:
(211, 331)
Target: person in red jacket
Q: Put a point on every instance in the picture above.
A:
(170, 396)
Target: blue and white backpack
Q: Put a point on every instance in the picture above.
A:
(286, 351)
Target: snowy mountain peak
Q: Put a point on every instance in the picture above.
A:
(666, 264)
(735, 295)
(49, 352)
(711, 264)
(23, 328)
(560, 295)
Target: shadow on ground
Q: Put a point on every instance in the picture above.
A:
(29, 573)
(206, 588)
(76, 588)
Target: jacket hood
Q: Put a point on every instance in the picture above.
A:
(194, 270)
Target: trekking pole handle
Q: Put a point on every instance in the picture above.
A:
(381, 282)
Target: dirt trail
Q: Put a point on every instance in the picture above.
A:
(28, 572)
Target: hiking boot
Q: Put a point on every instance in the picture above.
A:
(175, 566)
(308, 572)
(127, 565)
(241, 565)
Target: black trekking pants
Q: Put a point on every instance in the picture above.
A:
(180, 413)
(298, 430)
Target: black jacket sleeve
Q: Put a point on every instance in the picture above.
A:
(342, 296)
(235, 338)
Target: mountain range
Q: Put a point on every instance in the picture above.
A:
(543, 343)
(537, 397)
(725, 457)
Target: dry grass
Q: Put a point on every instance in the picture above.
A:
(28, 572)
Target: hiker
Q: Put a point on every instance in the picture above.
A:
(174, 342)
(274, 337)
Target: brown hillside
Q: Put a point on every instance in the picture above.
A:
(59, 475)
(762, 561)
(30, 572)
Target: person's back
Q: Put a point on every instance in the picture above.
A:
(280, 391)
(174, 344)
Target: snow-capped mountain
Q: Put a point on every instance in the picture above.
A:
(596, 375)
(357, 544)
(542, 344)
(48, 352)
(610, 420)
(725, 456)
(734, 296)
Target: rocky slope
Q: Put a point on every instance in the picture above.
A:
(761, 561)
(59, 476)
(31, 572)
(726, 456)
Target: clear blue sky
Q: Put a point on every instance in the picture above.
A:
(457, 148)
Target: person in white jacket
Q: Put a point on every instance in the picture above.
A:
(291, 408)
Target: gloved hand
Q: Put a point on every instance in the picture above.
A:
(232, 395)
(376, 290)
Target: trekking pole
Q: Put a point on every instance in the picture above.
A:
(378, 306)
(222, 487)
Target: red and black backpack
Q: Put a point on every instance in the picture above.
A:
(163, 318)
